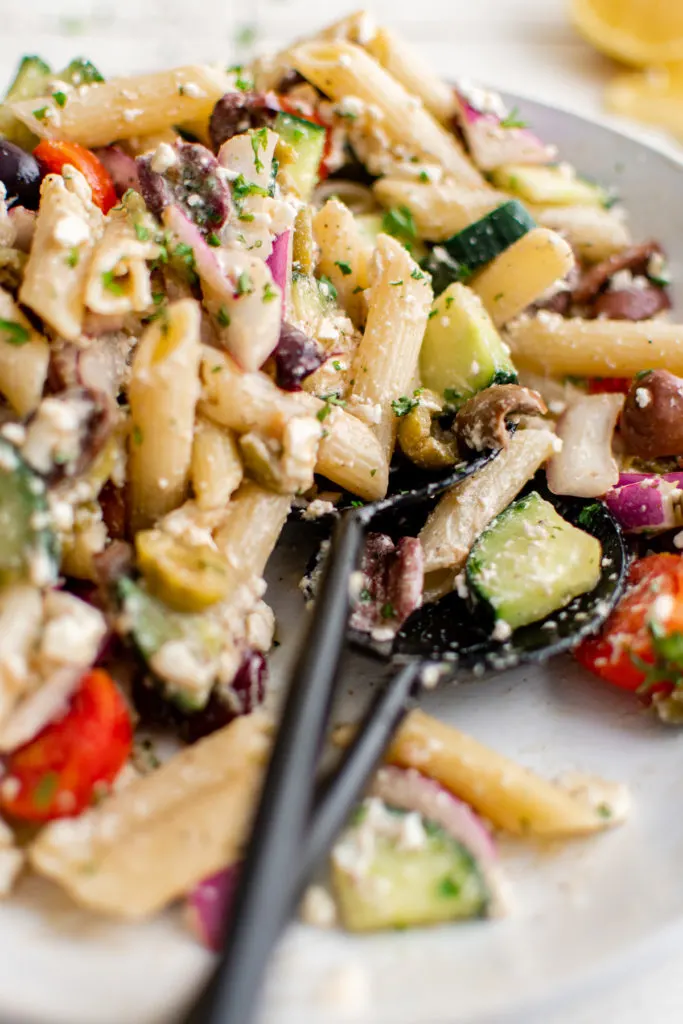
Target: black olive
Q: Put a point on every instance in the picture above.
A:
(20, 174)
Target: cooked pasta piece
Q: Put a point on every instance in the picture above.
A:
(21, 620)
(118, 278)
(163, 393)
(124, 108)
(464, 511)
(548, 343)
(385, 363)
(349, 453)
(151, 842)
(251, 526)
(594, 233)
(341, 69)
(508, 795)
(414, 73)
(216, 469)
(441, 206)
(522, 273)
(24, 358)
(344, 256)
(67, 228)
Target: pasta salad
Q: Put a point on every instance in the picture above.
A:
(228, 293)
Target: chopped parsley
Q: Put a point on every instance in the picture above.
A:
(344, 267)
(417, 274)
(242, 81)
(269, 292)
(14, 333)
(448, 888)
(330, 401)
(372, 472)
(245, 35)
(59, 98)
(137, 434)
(432, 313)
(452, 396)
(46, 790)
(356, 504)
(387, 610)
(337, 365)
(399, 222)
(449, 301)
(244, 284)
(395, 284)
(513, 120)
(498, 297)
(223, 317)
(357, 290)
(365, 595)
(403, 405)
(141, 232)
(642, 373)
(41, 114)
(424, 177)
(110, 283)
(327, 288)
(241, 189)
(259, 140)
(213, 240)
(604, 810)
(216, 369)
(73, 257)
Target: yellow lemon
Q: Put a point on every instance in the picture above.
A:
(641, 32)
(652, 96)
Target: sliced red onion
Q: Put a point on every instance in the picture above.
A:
(208, 906)
(409, 790)
(585, 466)
(296, 357)
(206, 262)
(391, 585)
(492, 144)
(121, 168)
(651, 504)
(245, 693)
(279, 261)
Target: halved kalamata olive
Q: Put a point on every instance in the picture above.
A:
(296, 356)
(245, 693)
(20, 174)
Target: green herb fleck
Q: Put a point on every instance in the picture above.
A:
(373, 472)
(604, 810)
(141, 232)
(216, 369)
(244, 284)
(137, 434)
(337, 365)
(498, 297)
(242, 82)
(449, 301)
(432, 313)
(41, 113)
(417, 274)
(387, 611)
(365, 595)
(14, 333)
(245, 35)
(73, 257)
(344, 267)
(110, 283)
(259, 140)
(59, 98)
(452, 396)
(327, 287)
(399, 222)
(357, 290)
(269, 292)
(213, 240)
(403, 405)
(329, 400)
(395, 284)
(356, 504)
(513, 120)
(641, 374)
(223, 317)
(45, 791)
(424, 177)
(448, 888)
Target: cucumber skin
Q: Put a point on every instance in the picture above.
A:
(309, 147)
(23, 494)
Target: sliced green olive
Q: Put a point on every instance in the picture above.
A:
(419, 443)
(187, 577)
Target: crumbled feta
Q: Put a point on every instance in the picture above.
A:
(502, 630)
(163, 158)
(643, 397)
(70, 230)
(73, 632)
(317, 508)
(318, 907)
(192, 90)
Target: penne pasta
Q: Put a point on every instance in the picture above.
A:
(118, 278)
(216, 469)
(464, 511)
(522, 273)
(595, 234)
(24, 358)
(125, 108)
(67, 228)
(250, 528)
(21, 619)
(163, 392)
(385, 363)
(341, 69)
(344, 256)
(439, 208)
(548, 343)
(508, 795)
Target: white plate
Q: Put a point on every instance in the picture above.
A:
(581, 911)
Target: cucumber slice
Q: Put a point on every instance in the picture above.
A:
(308, 141)
(31, 79)
(530, 562)
(80, 72)
(309, 301)
(550, 186)
(28, 550)
(462, 352)
(383, 881)
(479, 243)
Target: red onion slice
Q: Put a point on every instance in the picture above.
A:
(121, 168)
(280, 262)
(208, 905)
(648, 505)
(493, 145)
(585, 467)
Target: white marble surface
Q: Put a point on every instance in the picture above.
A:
(526, 46)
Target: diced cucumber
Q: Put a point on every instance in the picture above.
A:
(310, 300)
(308, 141)
(556, 185)
(530, 562)
(383, 881)
(370, 225)
(480, 242)
(150, 624)
(462, 352)
(31, 79)
(28, 548)
(80, 72)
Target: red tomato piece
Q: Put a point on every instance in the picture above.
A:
(59, 772)
(52, 155)
(636, 648)
(609, 385)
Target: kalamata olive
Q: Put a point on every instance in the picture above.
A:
(296, 356)
(20, 174)
(652, 420)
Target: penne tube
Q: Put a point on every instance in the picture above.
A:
(385, 363)
(251, 527)
(341, 69)
(344, 256)
(24, 358)
(463, 512)
(594, 233)
(414, 74)
(508, 795)
(124, 108)
(151, 842)
(549, 344)
(118, 280)
(163, 393)
(216, 469)
(439, 209)
(67, 227)
(349, 454)
(21, 622)
(522, 273)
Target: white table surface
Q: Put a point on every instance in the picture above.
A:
(526, 46)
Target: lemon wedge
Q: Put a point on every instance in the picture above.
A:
(640, 32)
(655, 97)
